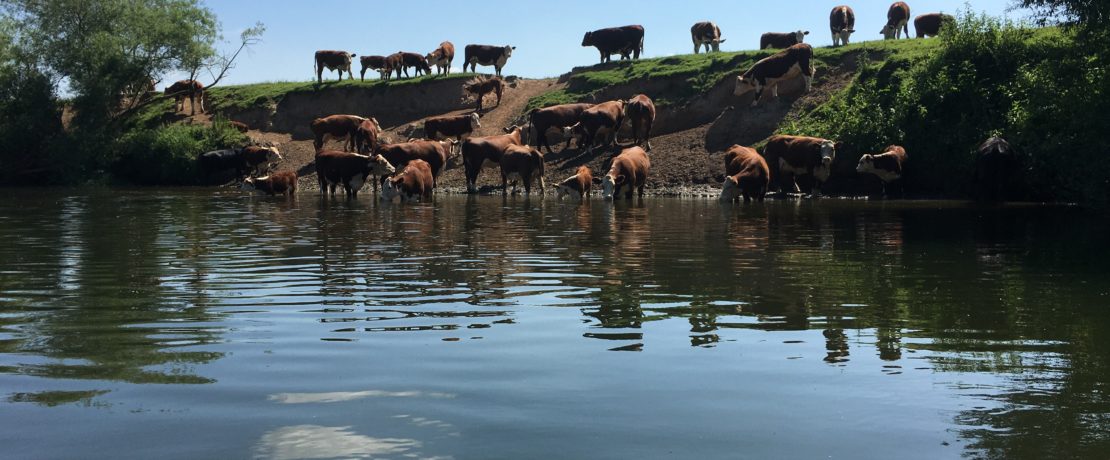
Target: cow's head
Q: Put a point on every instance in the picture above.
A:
(575, 131)
(889, 31)
(746, 85)
(716, 44)
(380, 166)
(800, 35)
(611, 185)
(588, 39)
(866, 164)
(509, 51)
(249, 183)
(730, 189)
(391, 188)
(272, 154)
(475, 121)
(828, 154)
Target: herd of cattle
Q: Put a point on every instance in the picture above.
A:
(411, 169)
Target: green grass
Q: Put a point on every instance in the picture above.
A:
(242, 97)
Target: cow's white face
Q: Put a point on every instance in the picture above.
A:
(571, 131)
(828, 152)
(380, 166)
(866, 164)
(475, 121)
(744, 86)
(730, 189)
(716, 44)
(272, 154)
(391, 189)
(801, 35)
(889, 31)
(561, 191)
(509, 51)
(611, 185)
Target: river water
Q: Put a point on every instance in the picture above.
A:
(200, 324)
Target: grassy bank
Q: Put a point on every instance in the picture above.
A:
(241, 97)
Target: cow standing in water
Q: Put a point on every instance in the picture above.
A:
(801, 156)
(746, 174)
(579, 184)
(897, 20)
(413, 183)
(842, 23)
(629, 171)
(887, 166)
(627, 40)
(485, 152)
(708, 34)
(333, 60)
(521, 164)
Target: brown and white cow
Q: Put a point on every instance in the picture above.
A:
(842, 23)
(414, 183)
(349, 170)
(929, 24)
(281, 182)
(460, 126)
(441, 58)
(333, 60)
(255, 156)
(887, 166)
(801, 156)
(771, 70)
(579, 184)
(640, 110)
(706, 33)
(605, 119)
(521, 164)
(192, 89)
(496, 56)
(485, 152)
(435, 153)
(374, 63)
(625, 40)
(554, 117)
(628, 171)
(897, 20)
(337, 127)
(412, 60)
(746, 174)
(367, 136)
(782, 39)
(480, 86)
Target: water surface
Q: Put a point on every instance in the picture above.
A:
(193, 324)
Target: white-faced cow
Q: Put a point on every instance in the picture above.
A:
(780, 40)
(441, 58)
(628, 171)
(554, 117)
(897, 20)
(842, 23)
(333, 60)
(746, 174)
(435, 153)
(336, 127)
(521, 164)
(191, 89)
(414, 183)
(603, 119)
(372, 62)
(281, 182)
(708, 34)
(348, 170)
(640, 111)
(459, 127)
(496, 56)
(929, 24)
(485, 153)
(801, 156)
(887, 166)
(478, 87)
(771, 70)
(256, 156)
(623, 40)
(577, 185)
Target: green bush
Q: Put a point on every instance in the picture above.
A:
(168, 155)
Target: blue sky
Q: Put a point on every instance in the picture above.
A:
(547, 34)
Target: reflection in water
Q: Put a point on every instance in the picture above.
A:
(1000, 308)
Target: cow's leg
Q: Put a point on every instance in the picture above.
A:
(504, 184)
(809, 83)
(527, 179)
(543, 185)
(697, 47)
(647, 134)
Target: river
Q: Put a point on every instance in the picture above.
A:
(200, 324)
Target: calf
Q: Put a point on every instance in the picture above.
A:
(239, 126)
(393, 62)
(480, 86)
(373, 62)
(578, 184)
(523, 164)
(219, 161)
(624, 40)
(192, 89)
(441, 58)
(781, 39)
(460, 127)
(746, 173)
(842, 23)
(349, 170)
(333, 60)
(254, 156)
(485, 152)
(929, 24)
(604, 118)
(367, 136)
(800, 156)
(558, 117)
(708, 34)
(338, 127)
(995, 164)
(283, 182)
(897, 20)
(640, 110)
(495, 56)
(771, 70)
(433, 152)
(412, 184)
(412, 60)
(887, 166)
(629, 170)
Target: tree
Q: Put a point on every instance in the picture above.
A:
(1090, 14)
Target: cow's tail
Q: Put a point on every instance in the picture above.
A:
(641, 45)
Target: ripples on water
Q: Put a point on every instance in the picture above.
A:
(477, 327)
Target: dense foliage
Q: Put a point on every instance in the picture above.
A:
(168, 155)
